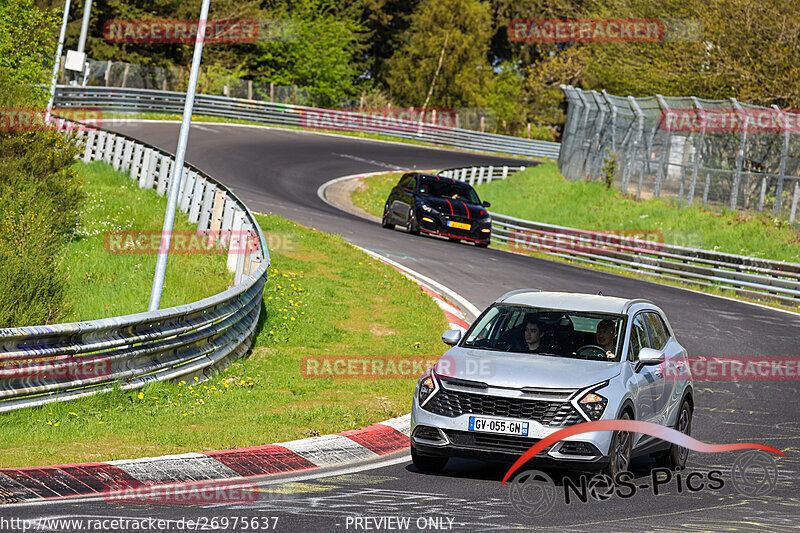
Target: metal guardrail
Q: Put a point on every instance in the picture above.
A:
(748, 276)
(154, 101)
(43, 364)
(479, 175)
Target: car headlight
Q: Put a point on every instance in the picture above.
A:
(593, 404)
(427, 387)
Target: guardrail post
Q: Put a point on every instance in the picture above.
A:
(206, 209)
(227, 214)
(164, 166)
(795, 197)
(88, 150)
(197, 200)
(145, 169)
(136, 161)
(100, 146)
(127, 155)
(776, 210)
(235, 247)
(472, 176)
(480, 175)
(505, 172)
(763, 192)
(187, 183)
(215, 222)
(737, 174)
(489, 174)
(108, 152)
(118, 147)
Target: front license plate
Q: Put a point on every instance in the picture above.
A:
(492, 425)
(459, 225)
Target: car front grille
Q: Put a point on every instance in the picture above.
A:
(494, 443)
(455, 403)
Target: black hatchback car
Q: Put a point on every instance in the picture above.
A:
(426, 203)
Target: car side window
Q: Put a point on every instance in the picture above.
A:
(412, 183)
(658, 331)
(639, 338)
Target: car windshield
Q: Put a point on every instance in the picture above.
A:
(523, 329)
(448, 189)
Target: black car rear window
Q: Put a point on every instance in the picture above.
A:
(448, 189)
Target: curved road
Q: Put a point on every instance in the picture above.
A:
(280, 170)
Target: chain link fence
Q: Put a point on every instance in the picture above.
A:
(721, 153)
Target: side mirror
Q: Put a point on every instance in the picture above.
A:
(486, 204)
(451, 337)
(649, 356)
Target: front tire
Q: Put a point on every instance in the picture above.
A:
(427, 463)
(675, 456)
(482, 244)
(412, 227)
(385, 221)
(620, 451)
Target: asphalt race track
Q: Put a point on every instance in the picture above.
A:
(280, 171)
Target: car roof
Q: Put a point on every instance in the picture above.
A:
(571, 301)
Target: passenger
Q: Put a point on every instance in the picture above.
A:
(607, 336)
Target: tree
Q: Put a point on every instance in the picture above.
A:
(321, 56)
(457, 31)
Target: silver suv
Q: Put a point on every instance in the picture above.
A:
(535, 362)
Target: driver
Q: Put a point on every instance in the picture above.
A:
(606, 336)
(534, 332)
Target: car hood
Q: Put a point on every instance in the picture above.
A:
(458, 208)
(518, 370)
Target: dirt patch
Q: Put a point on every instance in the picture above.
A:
(380, 330)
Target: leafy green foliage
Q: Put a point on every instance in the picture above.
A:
(321, 56)
(458, 33)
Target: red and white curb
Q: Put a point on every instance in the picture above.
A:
(87, 479)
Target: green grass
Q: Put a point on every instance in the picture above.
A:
(541, 194)
(323, 298)
(103, 284)
(372, 193)
(357, 134)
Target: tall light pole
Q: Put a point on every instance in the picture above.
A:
(177, 169)
(57, 62)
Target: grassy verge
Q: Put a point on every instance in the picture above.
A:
(356, 134)
(541, 194)
(323, 298)
(371, 194)
(101, 284)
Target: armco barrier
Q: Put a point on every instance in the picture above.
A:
(748, 276)
(153, 101)
(42, 364)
